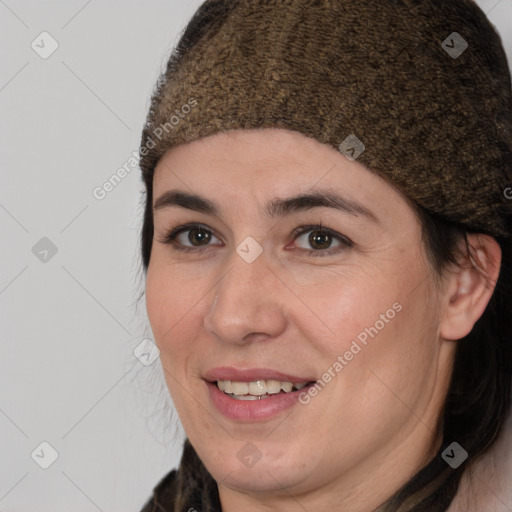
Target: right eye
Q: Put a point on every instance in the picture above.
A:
(196, 232)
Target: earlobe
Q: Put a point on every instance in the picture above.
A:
(470, 287)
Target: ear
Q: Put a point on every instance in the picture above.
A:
(469, 288)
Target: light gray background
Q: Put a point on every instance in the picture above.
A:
(68, 375)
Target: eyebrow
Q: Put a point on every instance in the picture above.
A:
(275, 207)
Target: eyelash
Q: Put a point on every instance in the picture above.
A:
(170, 236)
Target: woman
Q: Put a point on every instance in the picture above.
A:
(326, 244)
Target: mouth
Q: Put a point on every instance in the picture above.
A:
(259, 389)
(255, 394)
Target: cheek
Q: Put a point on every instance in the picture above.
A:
(375, 319)
(389, 353)
(171, 303)
(345, 306)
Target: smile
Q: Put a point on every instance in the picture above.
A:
(247, 407)
(258, 389)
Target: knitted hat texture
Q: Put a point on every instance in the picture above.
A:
(417, 91)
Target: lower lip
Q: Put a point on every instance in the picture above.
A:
(253, 410)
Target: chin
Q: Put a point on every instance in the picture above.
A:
(260, 479)
(248, 469)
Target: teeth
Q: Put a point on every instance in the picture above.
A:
(287, 386)
(239, 388)
(272, 386)
(257, 388)
(248, 397)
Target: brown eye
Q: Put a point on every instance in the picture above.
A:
(198, 237)
(321, 238)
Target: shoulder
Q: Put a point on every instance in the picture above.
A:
(164, 494)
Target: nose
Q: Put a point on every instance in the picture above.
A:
(249, 304)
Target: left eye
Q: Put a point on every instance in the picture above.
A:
(320, 238)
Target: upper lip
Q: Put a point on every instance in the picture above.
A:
(251, 374)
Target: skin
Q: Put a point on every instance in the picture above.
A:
(373, 425)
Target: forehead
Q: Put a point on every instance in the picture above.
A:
(242, 166)
(266, 153)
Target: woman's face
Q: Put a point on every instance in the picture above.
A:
(351, 305)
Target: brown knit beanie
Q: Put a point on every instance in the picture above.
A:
(417, 90)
